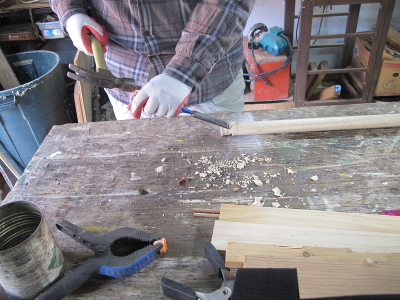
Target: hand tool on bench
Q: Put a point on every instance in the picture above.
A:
(104, 78)
(119, 253)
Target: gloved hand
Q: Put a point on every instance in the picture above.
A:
(163, 95)
(79, 26)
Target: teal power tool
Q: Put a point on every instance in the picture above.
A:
(269, 40)
(119, 253)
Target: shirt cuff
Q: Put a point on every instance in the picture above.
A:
(186, 70)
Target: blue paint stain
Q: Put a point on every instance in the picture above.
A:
(302, 175)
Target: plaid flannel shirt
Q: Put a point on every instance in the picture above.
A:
(198, 42)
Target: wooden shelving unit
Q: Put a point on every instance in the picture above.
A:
(305, 37)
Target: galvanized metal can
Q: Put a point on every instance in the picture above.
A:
(30, 258)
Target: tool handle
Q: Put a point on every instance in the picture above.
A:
(71, 282)
(176, 290)
(206, 118)
(98, 53)
(82, 236)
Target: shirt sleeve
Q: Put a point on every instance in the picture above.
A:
(214, 27)
(66, 8)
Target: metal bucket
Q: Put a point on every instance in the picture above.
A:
(30, 259)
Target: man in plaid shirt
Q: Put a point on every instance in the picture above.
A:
(182, 52)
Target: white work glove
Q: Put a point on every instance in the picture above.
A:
(79, 26)
(163, 96)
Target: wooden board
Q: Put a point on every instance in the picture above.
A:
(8, 79)
(365, 274)
(83, 91)
(328, 93)
(309, 218)
(297, 237)
(236, 253)
(312, 65)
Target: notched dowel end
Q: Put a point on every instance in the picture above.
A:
(226, 131)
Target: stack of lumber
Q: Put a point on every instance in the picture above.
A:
(335, 254)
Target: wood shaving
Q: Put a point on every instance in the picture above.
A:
(258, 182)
(277, 191)
(275, 204)
(258, 201)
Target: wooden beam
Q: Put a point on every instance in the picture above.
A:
(297, 237)
(316, 80)
(313, 124)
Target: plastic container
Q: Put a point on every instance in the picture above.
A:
(29, 111)
(51, 30)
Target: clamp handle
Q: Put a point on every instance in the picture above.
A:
(82, 236)
(176, 290)
(71, 282)
(215, 260)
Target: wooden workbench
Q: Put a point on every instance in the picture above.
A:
(101, 176)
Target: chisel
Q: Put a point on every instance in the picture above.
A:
(206, 118)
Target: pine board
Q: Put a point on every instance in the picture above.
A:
(310, 218)
(292, 236)
(236, 253)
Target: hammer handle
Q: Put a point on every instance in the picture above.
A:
(98, 53)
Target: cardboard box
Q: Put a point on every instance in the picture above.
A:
(389, 77)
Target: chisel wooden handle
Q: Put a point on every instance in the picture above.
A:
(98, 53)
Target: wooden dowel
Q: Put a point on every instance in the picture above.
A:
(313, 124)
(206, 210)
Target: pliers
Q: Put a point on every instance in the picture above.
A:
(102, 77)
(119, 253)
